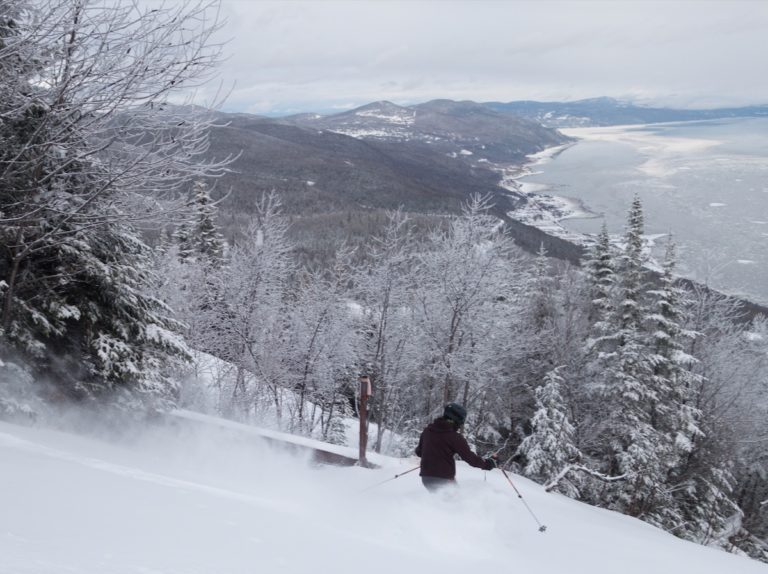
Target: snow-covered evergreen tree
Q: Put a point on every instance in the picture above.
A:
(552, 445)
(676, 384)
(98, 326)
(76, 169)
(601, 273)
(183, 234)
(632, 282)
(199, 236)
(542, 301)
(601, 277)
(209, 239)
(635, 448)
(129, 332)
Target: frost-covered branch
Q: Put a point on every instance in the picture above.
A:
(89, 121)
(579, 468)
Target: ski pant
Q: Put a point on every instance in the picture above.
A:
(435, 484)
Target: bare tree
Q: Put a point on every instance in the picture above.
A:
(466, 281)
(388, 332)
(319, 347)
(247, 319)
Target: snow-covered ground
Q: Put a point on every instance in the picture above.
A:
(167, 502)
(352, 431)
(209, 374)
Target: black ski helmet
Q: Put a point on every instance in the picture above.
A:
(456, 413)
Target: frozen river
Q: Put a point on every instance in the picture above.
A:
(704, 182)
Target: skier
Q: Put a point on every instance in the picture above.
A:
(437, 445)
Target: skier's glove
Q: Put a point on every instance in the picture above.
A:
(491, 462)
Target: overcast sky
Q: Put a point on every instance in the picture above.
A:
(290, 56)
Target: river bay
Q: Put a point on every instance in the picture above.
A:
(706, 183)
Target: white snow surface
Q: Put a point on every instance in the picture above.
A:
(168, 502)
(348, 451)
(401, 116)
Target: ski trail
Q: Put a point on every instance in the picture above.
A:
(144, 476)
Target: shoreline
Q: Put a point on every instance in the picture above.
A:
(537, 208)
(543, 209)
(537, 205)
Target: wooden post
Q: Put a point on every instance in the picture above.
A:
(365, 392)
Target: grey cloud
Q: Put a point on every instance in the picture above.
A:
(312, 55)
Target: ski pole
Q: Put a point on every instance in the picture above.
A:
(542, 528)
(390, 479)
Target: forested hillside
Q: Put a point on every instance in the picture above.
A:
(337, 175)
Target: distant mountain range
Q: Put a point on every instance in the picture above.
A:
(609, 112)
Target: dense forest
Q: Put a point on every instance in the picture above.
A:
(611, 382)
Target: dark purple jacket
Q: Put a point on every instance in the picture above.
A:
(437, 445)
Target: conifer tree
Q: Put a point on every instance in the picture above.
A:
(86, 133)
(208, 240)
(632, 261)
(552, 445)
(602, 340)
(601, 270)
(636, 449)
(542, 297)
(703, 506)
(676, 384)
(198, 236)
(183, 235)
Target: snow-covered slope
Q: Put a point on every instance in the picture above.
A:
(210, 504)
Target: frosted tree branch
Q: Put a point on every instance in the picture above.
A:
(579, 468)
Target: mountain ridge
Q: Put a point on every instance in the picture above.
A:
(587, 112)
(604, 111)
